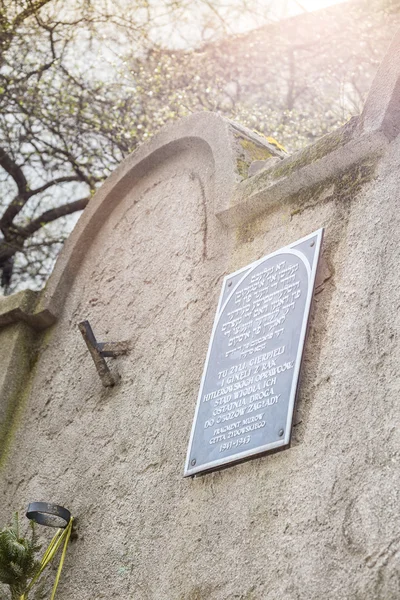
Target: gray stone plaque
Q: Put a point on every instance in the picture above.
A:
(248, 390)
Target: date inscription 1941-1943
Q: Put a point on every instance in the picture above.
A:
(248, 390)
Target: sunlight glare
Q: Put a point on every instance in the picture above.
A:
(317, 4)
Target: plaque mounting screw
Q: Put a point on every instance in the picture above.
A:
(193, 462)
(229, 283)
(281, 432)
(312, 244)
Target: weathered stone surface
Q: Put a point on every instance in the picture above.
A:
(17, 356)
(16, 360)
(257, 165)
(382, 108)
(17, 307)
(22, 307)
(145, 264)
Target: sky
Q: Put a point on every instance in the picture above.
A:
(287, 7)
(316, 4)
(190, 30)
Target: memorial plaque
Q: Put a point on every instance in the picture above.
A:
(248, 390)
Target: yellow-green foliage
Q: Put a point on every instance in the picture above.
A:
(242, 167)
(249, 151)
(275, 143)
(254, 151)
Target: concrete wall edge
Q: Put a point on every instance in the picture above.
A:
(271, 186)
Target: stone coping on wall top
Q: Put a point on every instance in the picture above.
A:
(21, 307)
(287, 180)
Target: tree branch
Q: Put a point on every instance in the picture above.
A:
(28, 12)
(14, 170)
(49, 184)
(52, 215)
(8, 29)
(11, 167)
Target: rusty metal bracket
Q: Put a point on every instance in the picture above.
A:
(99, 350)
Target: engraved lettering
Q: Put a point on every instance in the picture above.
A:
(254, 358)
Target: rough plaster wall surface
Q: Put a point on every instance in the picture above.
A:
(318, 520)
(15, 360)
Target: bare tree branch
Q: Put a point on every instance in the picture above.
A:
(52, 215)
(52, 183)
(8, 29)
(31, 9)
(14, 170)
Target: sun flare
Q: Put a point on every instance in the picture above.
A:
(317, 4)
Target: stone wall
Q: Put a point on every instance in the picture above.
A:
(145, 264)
